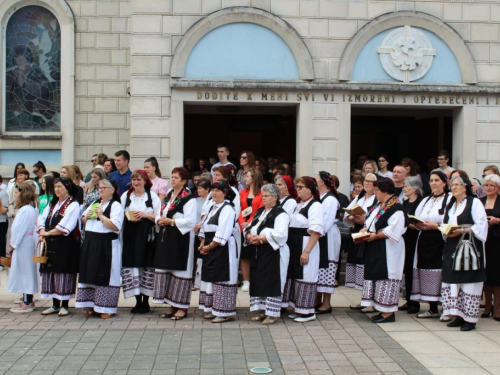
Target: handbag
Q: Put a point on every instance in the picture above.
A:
(466, 257)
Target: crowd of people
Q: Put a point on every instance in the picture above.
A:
(424, 234)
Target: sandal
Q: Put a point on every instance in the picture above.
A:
(88, 313)
(169, 314)
(258, 318)
(221, 319)
(208, 316)
(177, 317)
(270, 320)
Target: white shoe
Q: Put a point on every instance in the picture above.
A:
(49, 311)
(445, 318)
(293, 316)
(303, 319)
(368, 309)
(428, 314)
(63, 311)
(246, 286)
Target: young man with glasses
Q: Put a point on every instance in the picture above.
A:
(443, 159)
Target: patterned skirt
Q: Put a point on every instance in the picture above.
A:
(218, 298)
(426, 285)
(326, 278)
(172, 289)
(102, 299)
(383, 295)
(61, 286)
(138, 281)
(355, 276)
(301, 296)
(462, 300)
(271, 305)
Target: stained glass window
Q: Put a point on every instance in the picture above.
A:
(33, 71)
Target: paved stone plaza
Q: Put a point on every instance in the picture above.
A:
(345, 342)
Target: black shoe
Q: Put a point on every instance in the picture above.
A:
(488, 314)
(414, 309)
(405, 307)
(144, 308)
(458, 322)
(377, 317)
(319, 312)
(136, 308)
(496, 318)
(284, 310)
(390, 319)
(468, 326)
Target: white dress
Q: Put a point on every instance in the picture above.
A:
(144, 275)
(173, 287)
(277, 238)
(326, 277)
(300, 293)
(104, 299)
(289, 205)
(219, 298)
(354, 273)
(383, 295)
(23, 275)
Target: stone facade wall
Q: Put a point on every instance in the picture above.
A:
(102, 76)
(122, 44)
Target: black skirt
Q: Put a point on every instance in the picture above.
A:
(215, 265)
(63, 254)
(296, 244)
(172, 249)
(430, 250)
(356, 252)
(492, 261)
(265, 276)
(136, 252)
(96, 258)
(246, 252)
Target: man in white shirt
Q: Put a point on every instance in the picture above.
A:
(443, 159)
(222, 153)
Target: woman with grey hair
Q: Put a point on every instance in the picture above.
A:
(491, 201)
(462, 289)
(266, 236)
(427, 265)
(413, 192)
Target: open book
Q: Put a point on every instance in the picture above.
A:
(416, 219)
(355, 210)
(448, 229)
(130, 216)
(360, 237)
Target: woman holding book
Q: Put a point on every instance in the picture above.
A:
(355, 221)
(428, 260)
(141, 206)
(462, 289)
(385, 252)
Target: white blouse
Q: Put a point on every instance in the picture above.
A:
(363, 202)
(139, 203)
(185, 220)
(480, 227)
(289, 205)
(222, 231)
(116, 217)
(330, 208)
(210, 202)
(315, 221)
(395, 225)
(429, 208)
(68, 222)
(276, 236)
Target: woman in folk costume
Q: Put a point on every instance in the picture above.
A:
(329, 244)
(138, 255)
(174, 255)
(219, 272)
(306, 227)
(266, 238)
(288, 194)
(462, 289)
(23, 275)
(385, 252)
(100, 263)
(59, 226)
(355, 255)
(428, 260)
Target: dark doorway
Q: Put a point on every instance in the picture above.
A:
(266, 131)
(415, 133)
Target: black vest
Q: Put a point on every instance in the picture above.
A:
(268, 221)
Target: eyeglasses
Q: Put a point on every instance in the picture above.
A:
(489, 186)
(455, 185)
(36, 171)
(243, 157)
(103, 187)
(382, 161)
(266, 196)
(93, 160)
(299, 187)
(369, 181)
(441, 159)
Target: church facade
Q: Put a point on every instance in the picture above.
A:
(84, 77)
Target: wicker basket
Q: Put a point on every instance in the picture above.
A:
(5, 262)
(41, 252)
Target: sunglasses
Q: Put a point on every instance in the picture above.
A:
(18, 188)
(93, 160)
(243, 157)
(35, 172)
(299, 187)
